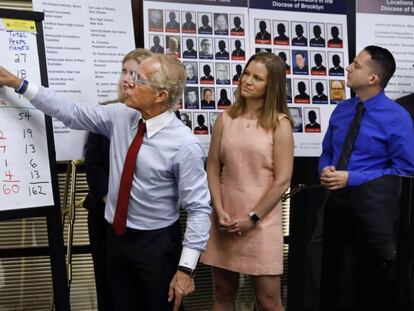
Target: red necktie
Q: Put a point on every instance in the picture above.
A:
(121, 212)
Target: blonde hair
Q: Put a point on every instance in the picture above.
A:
(275, 100)
(170, 77)
(138, 55)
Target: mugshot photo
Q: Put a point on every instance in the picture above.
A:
(263, 50)
(221, 45)
(173, 46)
(318, 63)
(157, 43)
(187, 118)
(335, 60)
(233, 92)
(296, 113)
(204, 23)
(191, 99)
(222, 73)
(206, 72)
(300, 62)
(205, 50)
(281, 32)
(155, 20)
(237, 26)
(212, 116)
(221, 24)
(179, 105)
(336, 91)
(299, 33)
(301, 91)
(200, 123)
(191, 72)
(285, 56)
(236, 72)
(312, 118)
(223, 97)
(262, 28)
(188, 22)
(318, 35)
(238, 49)
(172, 21)
(288, 90)
(319, 91)
(207, 96)
(335, 35)
(189, 47)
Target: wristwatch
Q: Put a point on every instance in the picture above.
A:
(254, 218)
(186, 270)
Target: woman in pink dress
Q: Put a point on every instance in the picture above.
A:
(249, 168)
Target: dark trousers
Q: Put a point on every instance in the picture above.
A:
(140, 267)
(352, 277)
(97, 226)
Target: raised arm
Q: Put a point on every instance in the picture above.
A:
(9, 79)
(74, 115)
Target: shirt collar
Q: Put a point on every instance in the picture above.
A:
(154, 125)
(371, 102)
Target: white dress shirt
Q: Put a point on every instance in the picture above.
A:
(169, 171)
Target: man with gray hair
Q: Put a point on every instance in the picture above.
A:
(145, 190)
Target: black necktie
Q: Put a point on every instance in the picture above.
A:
(350, 138)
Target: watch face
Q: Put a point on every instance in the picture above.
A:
(254, 218)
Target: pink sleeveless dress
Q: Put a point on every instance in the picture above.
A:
(246, 152)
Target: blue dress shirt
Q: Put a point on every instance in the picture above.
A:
(384, 145)
(169, 171)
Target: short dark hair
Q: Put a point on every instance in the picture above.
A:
(207, 89)
(384, 63)
(300, 53)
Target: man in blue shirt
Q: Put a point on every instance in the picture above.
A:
(145, 271)
(384, 145)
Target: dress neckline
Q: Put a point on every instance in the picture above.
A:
(249, 119)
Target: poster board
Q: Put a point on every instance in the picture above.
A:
(312, 38)
(389, 25)
(211, 39)
(85, 42)
(325, 55)
(26, 140)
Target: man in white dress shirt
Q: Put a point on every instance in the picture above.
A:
(146, 271)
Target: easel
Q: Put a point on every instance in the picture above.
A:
(69, 210)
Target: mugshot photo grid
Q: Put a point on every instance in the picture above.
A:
(300, 39)
(221, 36)
(309, 59)
(212, 43)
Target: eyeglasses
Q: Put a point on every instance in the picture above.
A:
(137, 79)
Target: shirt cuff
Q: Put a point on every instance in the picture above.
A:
(31, 92)
(189, 258)
(354, 178)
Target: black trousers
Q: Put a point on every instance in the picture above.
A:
(140, 267)
(352, 277)
(97, 227)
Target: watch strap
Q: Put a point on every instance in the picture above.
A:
(254, 218)
(186, 270)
